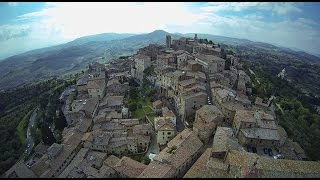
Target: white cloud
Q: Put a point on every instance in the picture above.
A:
(80, 18)
(276, 8)
(61, 22)
(13, 4)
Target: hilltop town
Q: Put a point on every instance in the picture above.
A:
(180, 110)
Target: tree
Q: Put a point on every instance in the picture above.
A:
(132, 106)
(146, 160)
(47, 136)
(210, 42)
(133, 93)
(60, 121)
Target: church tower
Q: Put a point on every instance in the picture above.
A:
(168, 41)
(196, 38)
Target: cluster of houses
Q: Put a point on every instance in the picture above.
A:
(230, 137)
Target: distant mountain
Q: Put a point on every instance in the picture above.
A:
(73, 56)
(245, 42)
(98, 37)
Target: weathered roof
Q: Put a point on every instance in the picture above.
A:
(158, 170)
(162, 123)
(20, 170)
(111, 160)
(195, 95)
(96, 84)
(84, 124)
(117, 142)
(225, 93)
(224, 140)
(75, 162)
(101, 138)
(113, 82)
(141, 127)
(83, 80)
(141, 56)
(112, 101)
(184, 145)
(157, 103)
(55, 149)
(276, 168)
(87, 105)
(96, 158)
(69, 146)
(206, 167)
(168, 114)
(129, 167)
(187, 82)
(209, 58)
(261, 133)
(209, 113)
(244, 116)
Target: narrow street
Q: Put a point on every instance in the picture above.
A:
(208, 88)
(153, 147)
(180, 125)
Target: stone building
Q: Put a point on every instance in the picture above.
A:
(174, 160)
(129, 168)
(81, 108)
(242, 164)
(141, 63)
(190, 103)
(165, 130)
(206, 120)
(168, 41)
(211, 63)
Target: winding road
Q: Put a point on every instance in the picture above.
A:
(30, 143)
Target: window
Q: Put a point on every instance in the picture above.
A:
(169, 133)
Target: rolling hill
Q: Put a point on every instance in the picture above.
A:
(75, 55)
(71, 57)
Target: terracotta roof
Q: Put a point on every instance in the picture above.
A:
(224, 140)
(209, 113)
(112, 82)
(162, 123)
(157, 103)
(207, 167)
(187, 82)
(209, 58)
(129, 167)
(111, 161)
(96, 84)
(158, 170)
(75, 162)
(261, 133)
(269, 167)
(186, 143)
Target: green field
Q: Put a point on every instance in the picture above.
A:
(145, 103)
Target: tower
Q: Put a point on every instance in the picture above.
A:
(196, 38)
(168, 41)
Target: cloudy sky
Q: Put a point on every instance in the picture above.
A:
(25, 26)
